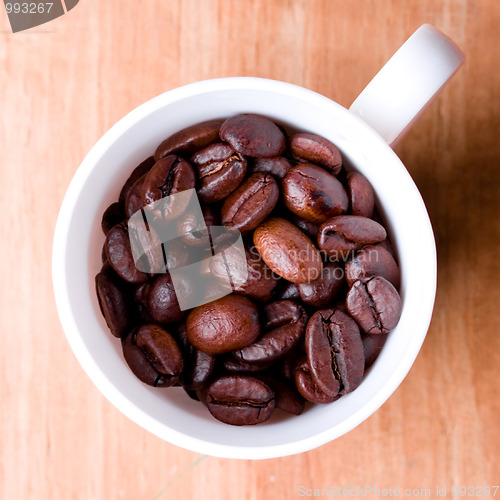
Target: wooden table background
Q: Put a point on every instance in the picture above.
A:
(65, 83)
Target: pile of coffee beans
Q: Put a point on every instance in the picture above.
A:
(321, 293)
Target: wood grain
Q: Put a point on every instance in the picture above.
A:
(65, 83)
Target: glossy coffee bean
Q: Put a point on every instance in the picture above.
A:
(190, 139)
(198, 368)
(220, 171)
(339, 236)
(119, 255)
(311, 229)
(372, 260)
(255, 280)
(251, 203)
(114, 303)
(142, 169)
(287, 398)
(161, 301)
(160, 349)
(134, 201)
(232, 365)
(194, 232)
(307, 386)
(286, 291)
(240, 400)
(223, 325)
(169, 176)
(318, 150)
(146, 247)
(253, 135)
(361, 194)
(287, 250)
(372, 345)
(374, 304)
(278, 167)
(112, 216)
(157, 349)
(324, 290)
(284, 324)
(313, 193)
(334, 351)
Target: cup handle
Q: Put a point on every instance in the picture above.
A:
(408, 82)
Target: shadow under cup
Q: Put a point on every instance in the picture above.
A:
(170, 413)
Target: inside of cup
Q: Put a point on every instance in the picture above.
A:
(170, 413)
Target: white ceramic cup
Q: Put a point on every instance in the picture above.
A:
(388, 106)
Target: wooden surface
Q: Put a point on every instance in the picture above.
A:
(65, 83)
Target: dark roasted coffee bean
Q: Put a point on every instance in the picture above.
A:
(285, 393)
(334, 351)
(253, 135)
(190, 139)
(251, 203)
(306, 226)
(194, 232)
(254, 280)
(198, 368)
(140, 359)
(142, 169)
(313, 193)
(375, 305)
(342, 235)
(146, 246)
(114, 303)
(324, 290)
(287, 291)
(277, 167)
(315, 149)
(220, 171)
(306, 385)
(112, 216)
(134, 201)
(287, 250)
(284, 324)
(372, 345)
(240, 400)
(223, 325)
(372, 260)
(162, 302)
(361, 194)
(119, 255)
(232, 365)
(160, 349)
(169, 176)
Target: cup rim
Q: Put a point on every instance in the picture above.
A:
(74, 335)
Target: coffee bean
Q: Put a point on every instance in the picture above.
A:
(189, 140)
(134, 201)
(375, 305)
(153, 356)
(372, 345)
(251, 203)
(220, 171)
(318, 150)
(161, 301)
(142, 169)
(313, 193)
(283, 326)
(334, 351)
(307, 386)
(223, 325)
(278, 167)
(287, 291)
(254, 280)
(287, 250)
(361, 195)
(119, 255)
(372, 260)
(114, 303)
(286, 395)
(240, 400)
(193, 231)
(322, 291)
(253, 135)
(169, 176)
(341, 235)
(112, 216)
